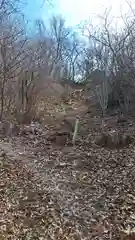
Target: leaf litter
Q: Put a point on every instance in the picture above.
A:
(65, 192)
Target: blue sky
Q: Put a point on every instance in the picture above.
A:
(32, 9)
(75, 11)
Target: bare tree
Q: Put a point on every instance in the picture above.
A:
(10, 54)
(111, 54)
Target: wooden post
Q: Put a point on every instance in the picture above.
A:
(75, 130)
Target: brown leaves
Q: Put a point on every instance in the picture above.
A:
(64, 192)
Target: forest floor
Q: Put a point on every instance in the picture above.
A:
(57, 191)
